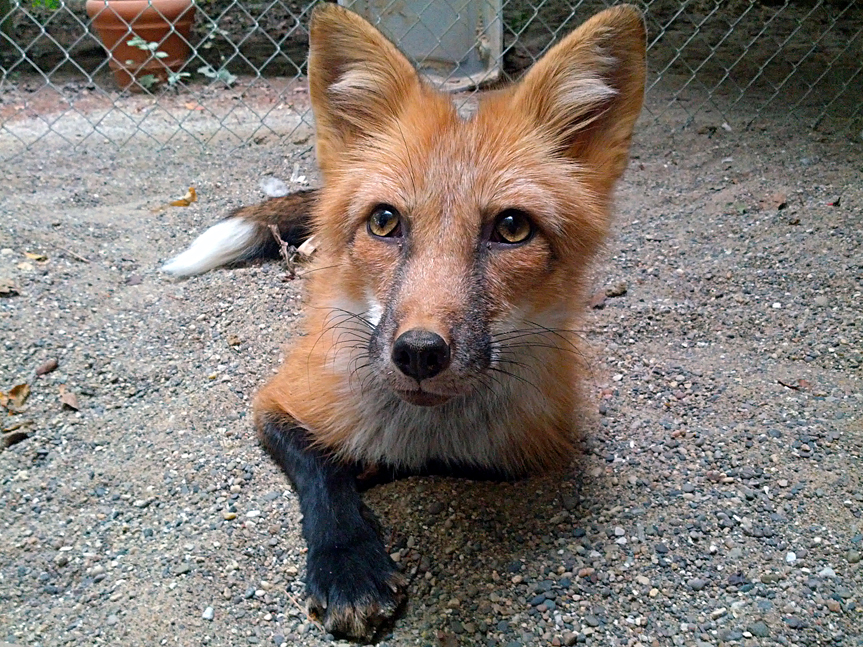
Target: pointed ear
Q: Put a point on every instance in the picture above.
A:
(358, 80)
(586, 92)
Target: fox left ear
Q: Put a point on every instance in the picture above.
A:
(586, 92)
(358, 80)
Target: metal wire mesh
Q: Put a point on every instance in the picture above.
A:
(712, 62)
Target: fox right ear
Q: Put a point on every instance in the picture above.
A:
(587, 91)
(358, 80)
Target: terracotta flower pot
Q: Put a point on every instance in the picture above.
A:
(165, 22)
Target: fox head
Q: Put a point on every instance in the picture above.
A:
(454, 247)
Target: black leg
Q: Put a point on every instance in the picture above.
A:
(354, 587)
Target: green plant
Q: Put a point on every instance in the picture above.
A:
(147, 46)
(148, 81)
(51, 5)
(221, 74)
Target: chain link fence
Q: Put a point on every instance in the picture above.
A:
(713, 63)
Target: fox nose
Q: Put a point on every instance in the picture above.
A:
(420, 354)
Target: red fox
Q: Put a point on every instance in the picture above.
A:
(449, 276)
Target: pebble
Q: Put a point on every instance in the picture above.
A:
(208, 613)
(759, 629)
(853, 556)
(696, 583)
(435, 507)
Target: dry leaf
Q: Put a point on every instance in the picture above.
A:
(35, 257)
(190, 197)
(308, 248)
(9, 439)
(17, 425)
(47, 367)
(7, 288)
(597, 301)
(68, 398)
(18, 395)
(775, 201)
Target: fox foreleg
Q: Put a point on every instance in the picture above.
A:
(353, 585)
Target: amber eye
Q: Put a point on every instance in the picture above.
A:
(512, 226)
(385, 222)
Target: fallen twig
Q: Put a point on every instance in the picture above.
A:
(287, 252)
(78, 257)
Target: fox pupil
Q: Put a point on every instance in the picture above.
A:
(384, 222)
(512, 227)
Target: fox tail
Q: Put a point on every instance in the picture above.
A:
(245, 234)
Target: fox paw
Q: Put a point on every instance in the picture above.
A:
(354, 590)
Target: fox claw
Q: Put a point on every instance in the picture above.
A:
(363, 617)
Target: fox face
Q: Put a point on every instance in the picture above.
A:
(456, 246)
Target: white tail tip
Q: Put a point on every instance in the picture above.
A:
(222, 243)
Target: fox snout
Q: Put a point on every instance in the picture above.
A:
(428, 357)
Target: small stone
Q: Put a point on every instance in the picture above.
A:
(208, 613)
(790, 557)
(61, 560)
(653, 592)
(827, 572)
(182, 569)
(569, 639)
(47, 367)
(759, 629)
(112, 619)
(834, 605)
(696, 583)
(794, 622)
(617, 290)
(229, 516)
(852, 556)
(435, 507)
(591, 621)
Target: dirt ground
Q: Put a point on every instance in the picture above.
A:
(717, 499)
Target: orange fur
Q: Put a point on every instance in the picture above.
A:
(552, 145)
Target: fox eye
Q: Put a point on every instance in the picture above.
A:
(385, 222)
(512, 227)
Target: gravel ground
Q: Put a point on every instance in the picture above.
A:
(717, 499)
